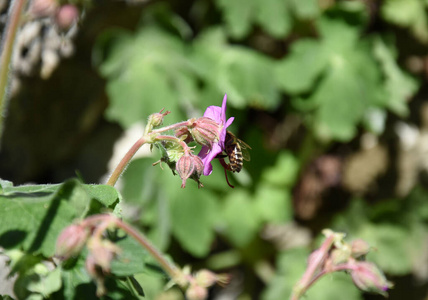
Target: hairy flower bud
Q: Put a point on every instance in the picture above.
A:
(103, 253)
(206, 278)
(340, 255)
(71, 240)
(66, 16)
(359, 248)
(368, 277)
(189, 165)
(156, 119)
(196, 292)
(205, 131)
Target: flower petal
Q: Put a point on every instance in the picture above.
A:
(207, 156)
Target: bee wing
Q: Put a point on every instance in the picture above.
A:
(244, 150)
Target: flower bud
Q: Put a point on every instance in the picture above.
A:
(103, 253)
(156, 119)
(183, 133)
(71, 240)
(206, 278)
(66, 16)
(340, 255)
(205, 131)
(368, 277)
(359, 248)
(196, 292)
(189, 165)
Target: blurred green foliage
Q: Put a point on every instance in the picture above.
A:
(334, 66)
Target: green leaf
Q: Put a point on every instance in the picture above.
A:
(131, 259)
(274, 17)
(241, 219)
(238, 15)
(291, 265)
(273, 204)
(298, 72)
(393, 246)
(408, 13)
(246, 76)
(284, 172)
(306, 9)
(155, 67)
(193, 213)
(33, 216)
(48, 284)
(399, 86)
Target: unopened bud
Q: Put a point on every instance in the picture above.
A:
(359, 248)
(156, 119)
(66, 16)
(340, 255)
(71, 240)
(205, 131)
(196, 292)
(187, 166)
(206, 278)
(183, 133)
(368, 277)
(103, 253)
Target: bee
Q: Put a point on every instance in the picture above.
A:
(237, 152)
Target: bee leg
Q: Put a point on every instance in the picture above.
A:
(226, 167)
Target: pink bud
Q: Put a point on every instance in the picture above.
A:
(359, 248)
(196, 292)
(66, 16)
(156, 119)
(103, 253)
(205, 131)
(71, 240)
(368, 277)
(189, 165)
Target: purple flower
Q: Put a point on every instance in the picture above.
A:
(207, 153)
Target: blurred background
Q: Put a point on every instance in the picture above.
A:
(330, 95)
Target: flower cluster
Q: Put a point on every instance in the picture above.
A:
(92, 233)
(336, 255)
(208, 131)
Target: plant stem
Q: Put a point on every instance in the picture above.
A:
(9, 36)
(173, 126)
(314, 264)
(171, 269)
(125, 161)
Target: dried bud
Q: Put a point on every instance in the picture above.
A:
(205, 131)
(369, 278)
(156, 119)
(206, 278)
(196, 292)
(189, 165)
(66, 16)
(103, 253)
(359, 248)
(71, 240)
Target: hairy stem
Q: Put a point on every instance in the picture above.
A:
(125, 161)
(171, 269)
(9, 36)
(170, 127)
(313, 266)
